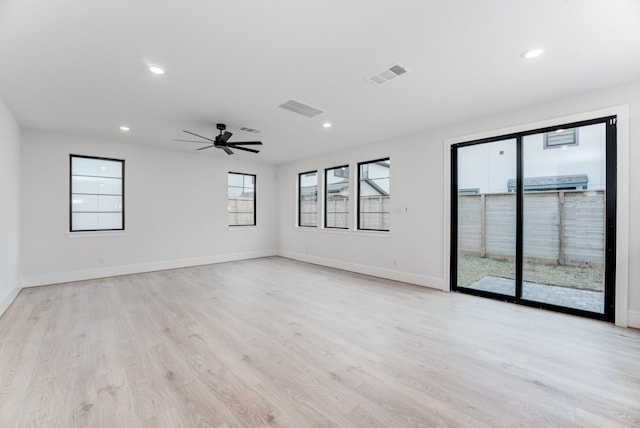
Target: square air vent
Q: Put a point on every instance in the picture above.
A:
(386, 75)
(301, 108)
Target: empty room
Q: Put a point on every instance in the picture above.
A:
(319, 214)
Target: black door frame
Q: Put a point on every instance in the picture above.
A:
(610, 219)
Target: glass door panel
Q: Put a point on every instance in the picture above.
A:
(564, 200)
(486, 217)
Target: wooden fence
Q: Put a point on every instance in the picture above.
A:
(560, 227)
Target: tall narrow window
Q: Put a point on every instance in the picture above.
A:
(96, 194)
(374, 195)
(336, 197)
(308, 199)
(241, 207)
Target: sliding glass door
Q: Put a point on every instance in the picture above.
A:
(486, 225)
(533, 218)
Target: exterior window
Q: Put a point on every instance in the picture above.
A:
(561, 139)
(96, 194)
(241, 207)
(374, 195)
(336, 197)
(308, 199)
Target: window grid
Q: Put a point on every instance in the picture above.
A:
(336, 197)
(374, 195)
(308, 199)
(96, 194)
(241, 201)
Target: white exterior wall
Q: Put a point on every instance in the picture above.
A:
(483, 167)
(175, 211)
(9, 207)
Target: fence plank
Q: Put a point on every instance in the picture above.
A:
(565, 227)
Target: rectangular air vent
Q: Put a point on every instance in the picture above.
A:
(247, 129)
(301, 108)
(386, 75)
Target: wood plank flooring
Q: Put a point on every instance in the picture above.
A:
(275, 342)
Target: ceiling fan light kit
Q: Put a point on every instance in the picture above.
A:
(222, 142)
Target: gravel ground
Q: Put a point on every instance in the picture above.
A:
(471, 269)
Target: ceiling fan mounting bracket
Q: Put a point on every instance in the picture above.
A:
(221, 126)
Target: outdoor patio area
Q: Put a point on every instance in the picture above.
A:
(586, 300)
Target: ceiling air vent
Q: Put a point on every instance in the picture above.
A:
(247, 129)
(300, 108)
(386, 75)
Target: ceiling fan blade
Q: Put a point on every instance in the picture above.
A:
(246, 143)
(207, 147)
(227, 150)
(192, 133)
(245, 149)
(222, 139)
(192, 141)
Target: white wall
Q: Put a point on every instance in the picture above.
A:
(9, 207)
(175, 211)
(414, 250)
(394, 254)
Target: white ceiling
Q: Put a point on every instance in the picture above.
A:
(80, 66)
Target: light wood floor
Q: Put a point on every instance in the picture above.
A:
(274, 342)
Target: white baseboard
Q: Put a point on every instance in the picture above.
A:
(81, 275)
(7, 300)
(633, 319)
(395, 275)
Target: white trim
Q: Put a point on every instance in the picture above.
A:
(8, 299)
(633, 319)
(373, 233)
(336, 231)
(446, 218)
(81, 275)
(622, 217)
(395, 275)
(97, 234)
(622, 193)
(307, 228)
(242, 227)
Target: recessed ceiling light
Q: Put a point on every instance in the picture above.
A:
(326, 125)
(156, 69)
(532, 53)
(125, 128)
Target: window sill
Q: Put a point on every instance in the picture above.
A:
(307, 228)
(248, 227)
(336, 230)
(373, 233)
(97, 234)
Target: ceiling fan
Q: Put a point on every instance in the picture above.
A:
(221, 141)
